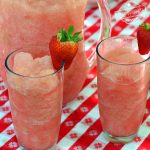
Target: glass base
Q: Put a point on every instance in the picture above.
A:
(118, 139)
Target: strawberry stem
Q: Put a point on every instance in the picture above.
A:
(146, 26)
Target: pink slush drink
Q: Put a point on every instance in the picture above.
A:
(34, 22)
(36, 94)
(123, 83)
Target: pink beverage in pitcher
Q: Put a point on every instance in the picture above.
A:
(36, 94)
(33, 22)
(123, 83)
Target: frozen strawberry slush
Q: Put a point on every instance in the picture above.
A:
(36, 100)
(122, 92)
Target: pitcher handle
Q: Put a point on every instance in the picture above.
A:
(105, 28)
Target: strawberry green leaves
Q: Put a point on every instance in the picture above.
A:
(146, 26)
(70, 30)
(69, 35)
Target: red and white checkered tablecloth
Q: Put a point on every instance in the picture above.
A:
(80, 126)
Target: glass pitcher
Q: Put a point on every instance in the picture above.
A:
(25, 22)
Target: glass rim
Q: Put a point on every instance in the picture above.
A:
(25, 76)
(121, 64)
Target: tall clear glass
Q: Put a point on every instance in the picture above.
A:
(123, 83)
(36, 94)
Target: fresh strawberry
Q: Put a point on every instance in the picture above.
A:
(64, 46)
(143, 37)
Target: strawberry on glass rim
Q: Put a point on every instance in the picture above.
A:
(64, 46)
(143, 37)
